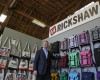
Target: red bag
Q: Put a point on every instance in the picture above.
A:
(63, 62)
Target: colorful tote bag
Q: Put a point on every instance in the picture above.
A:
(31, 64)
(3, 63)
(1, 74)
(11, 75)
(16, 51)
(26, 54)
(21, 75)
(5, 51)
(23, 65)
(13, 63)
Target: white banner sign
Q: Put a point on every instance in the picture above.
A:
(82, 16)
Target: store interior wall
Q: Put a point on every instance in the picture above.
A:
(22, 37)
(77, 30)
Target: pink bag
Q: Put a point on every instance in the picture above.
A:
(86, 58)
(84, 38)
(64, 45)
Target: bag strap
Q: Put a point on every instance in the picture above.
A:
(18, 45)
(34, 49)
(7, 39)
(26, 45)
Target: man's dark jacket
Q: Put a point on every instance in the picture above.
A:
(41, 64)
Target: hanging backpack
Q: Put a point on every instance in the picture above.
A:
(50, 47)
(23, 65)
(87, 76)
(31, 66)
(55, 47)
(73, 41)
(10, 75)
(3, 63)
(98, 75)
(16, 51)
(63, 76)
(26, 54)
(63, 62)
(21, 75)
(5, 51)
(1, 74)
(86, 58)
(34, 52)
(73, 76)
(13, 63)
(95, 32)
(99, 33)
(84, 38)
(54, 76)
(74, 59)
(64, 45)
(54, 64)
(97, 56)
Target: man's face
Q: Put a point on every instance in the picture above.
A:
(45, 44)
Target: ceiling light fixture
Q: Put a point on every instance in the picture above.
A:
(3, 17)
(39, 23)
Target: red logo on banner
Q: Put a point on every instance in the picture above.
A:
(53, 30)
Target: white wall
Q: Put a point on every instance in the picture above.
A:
(22, 37)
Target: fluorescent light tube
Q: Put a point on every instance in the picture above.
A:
(39, 23)
(3, 17)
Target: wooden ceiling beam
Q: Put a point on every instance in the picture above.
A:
(57, 18)
(52, 6)
(6, 7)
(25, 24)
(26, 15)
(70, 12)
(35, 13)
(63, 10)
(44, 6)
(2, 4)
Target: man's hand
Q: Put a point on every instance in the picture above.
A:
(35, 72)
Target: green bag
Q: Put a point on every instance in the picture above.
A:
(63, 76)
(74, 59)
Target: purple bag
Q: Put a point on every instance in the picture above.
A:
(64, 45)
(98, 75)
(84, 38)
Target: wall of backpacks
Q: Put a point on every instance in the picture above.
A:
(15, 63)
(82, 60)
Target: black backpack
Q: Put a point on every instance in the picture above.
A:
(95, 32)
(55, 47)
(97, 56)
(54, 64)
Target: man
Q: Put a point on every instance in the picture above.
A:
(42, 62)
